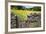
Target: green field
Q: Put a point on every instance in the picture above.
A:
(23, 13)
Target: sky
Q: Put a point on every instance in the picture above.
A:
(28, 6)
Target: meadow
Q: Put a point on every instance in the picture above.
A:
(23, 13)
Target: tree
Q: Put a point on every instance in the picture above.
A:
(18, 7)
(36, 8)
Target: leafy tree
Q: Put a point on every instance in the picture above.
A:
(18, 7)
(36, 8)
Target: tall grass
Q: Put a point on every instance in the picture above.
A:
(21, 13)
